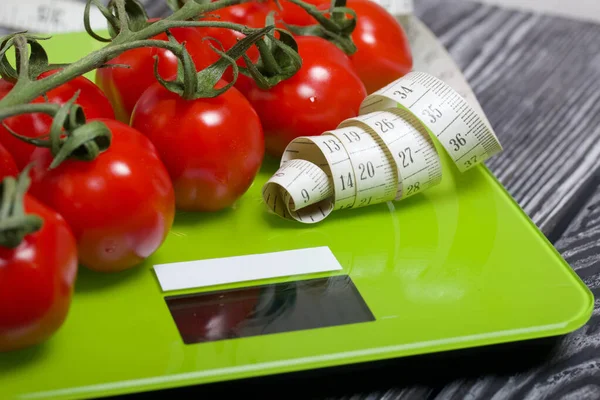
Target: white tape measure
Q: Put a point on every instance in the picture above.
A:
(384, 154)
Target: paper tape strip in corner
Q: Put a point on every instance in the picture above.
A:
(387, 152)
(48, 16)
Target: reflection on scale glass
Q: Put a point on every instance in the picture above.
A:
(267, 309)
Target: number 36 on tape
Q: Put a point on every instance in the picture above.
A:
(384, 154)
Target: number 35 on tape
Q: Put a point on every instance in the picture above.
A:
(384, 154)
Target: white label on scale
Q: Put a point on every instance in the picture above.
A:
(220, 271)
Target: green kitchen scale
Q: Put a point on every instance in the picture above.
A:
(455, 267)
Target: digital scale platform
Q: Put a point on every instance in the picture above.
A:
(455, 267)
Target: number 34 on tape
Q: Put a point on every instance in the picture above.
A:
(384, 154)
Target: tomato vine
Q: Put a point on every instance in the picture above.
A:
(129, 27)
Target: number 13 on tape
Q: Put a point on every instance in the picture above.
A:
(386, 153)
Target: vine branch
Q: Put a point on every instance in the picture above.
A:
(124, 40)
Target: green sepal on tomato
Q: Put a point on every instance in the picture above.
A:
(91, 99)
(323, 93)
(37, 278)
(120, 205)
(212, 147)
(251, 14)
(124, 86)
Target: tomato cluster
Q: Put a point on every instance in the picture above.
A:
(166, 152)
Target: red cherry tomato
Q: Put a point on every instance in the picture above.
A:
(91, 99)
(323, 93)
(120, 205)
(383, 53)
(212, 147)
(295, 15)
(7, 164)
(313, 48)
(251, 14)
(36, 281)
(124, 86)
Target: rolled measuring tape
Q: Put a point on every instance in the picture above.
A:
(384, 154)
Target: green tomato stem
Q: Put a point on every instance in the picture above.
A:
(15, 224)
(269, 63)
(22, 56)
(122, 17)
(337, 29)
(70, 136)
(46, 108)
(32, 89)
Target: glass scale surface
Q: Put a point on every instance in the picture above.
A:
(455, 267)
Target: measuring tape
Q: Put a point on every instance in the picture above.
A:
(384, 154)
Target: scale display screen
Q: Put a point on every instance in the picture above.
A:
(266, 309)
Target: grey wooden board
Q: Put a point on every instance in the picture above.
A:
(537, 79)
